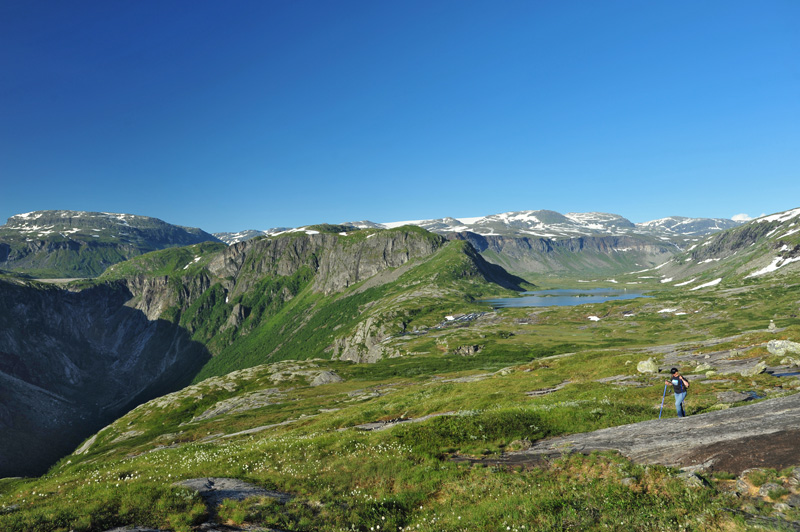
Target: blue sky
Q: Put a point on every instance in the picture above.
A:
(257, 114)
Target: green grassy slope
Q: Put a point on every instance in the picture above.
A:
(287, 418)
(404, 478)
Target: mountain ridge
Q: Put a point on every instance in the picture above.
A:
(539, 223)
(63, 243)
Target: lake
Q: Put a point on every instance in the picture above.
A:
(563, 297)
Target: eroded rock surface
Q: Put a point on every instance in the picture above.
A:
(762, 434)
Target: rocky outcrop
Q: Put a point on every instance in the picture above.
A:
(337, 262)
(763, 434)
(364, 345)
(783, 347)
(347, 263)
(467, 350)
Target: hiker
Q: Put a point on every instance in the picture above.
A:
(680, 386)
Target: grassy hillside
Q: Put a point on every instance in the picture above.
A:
(278, 406)
(292, 426)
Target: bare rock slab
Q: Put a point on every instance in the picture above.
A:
(215, 490)
(762, 434)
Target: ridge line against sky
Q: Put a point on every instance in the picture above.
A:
(266, 114)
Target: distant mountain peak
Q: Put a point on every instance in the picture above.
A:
(64, 243)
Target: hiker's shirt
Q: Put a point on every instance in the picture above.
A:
(678, 386)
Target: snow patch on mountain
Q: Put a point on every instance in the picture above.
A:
(780, 217)
(715, 282)
(777, 263)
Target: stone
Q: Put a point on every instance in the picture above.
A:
(326, 377)
(647, 366)
(782, 507)
(752, 371)
(793, 500)
(693, 480)
(764, 490)
(467, 350)
(742, 486)
(772, 327)
(733, 397)
(790, 361)
(519, 445)
(783, 347)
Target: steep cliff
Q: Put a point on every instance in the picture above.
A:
(585, 254)
(71, 361)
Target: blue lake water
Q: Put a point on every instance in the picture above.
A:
(563, 297)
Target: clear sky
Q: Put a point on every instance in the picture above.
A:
(261, 113)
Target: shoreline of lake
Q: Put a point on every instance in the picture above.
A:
(565, 297)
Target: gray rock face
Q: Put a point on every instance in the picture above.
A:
(215, 490)
(345, 264)
(73, 361)
(692, 442)
(364, 345)
(336, 262)
(592, 253)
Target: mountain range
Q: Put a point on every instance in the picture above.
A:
(360, 371)
(542, 224)
(71, 244)
(84, 244)
(154, 322)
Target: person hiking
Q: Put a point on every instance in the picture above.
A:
(680, 386)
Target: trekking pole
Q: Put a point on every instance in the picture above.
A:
(662, 401)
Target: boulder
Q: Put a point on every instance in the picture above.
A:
(733, 397)
(783, 347)
(326, 377)
(752, 371)
(647, 366)
(765, 489)
(693, 480)
(793, 501)
(742, 487)
(467, 350)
